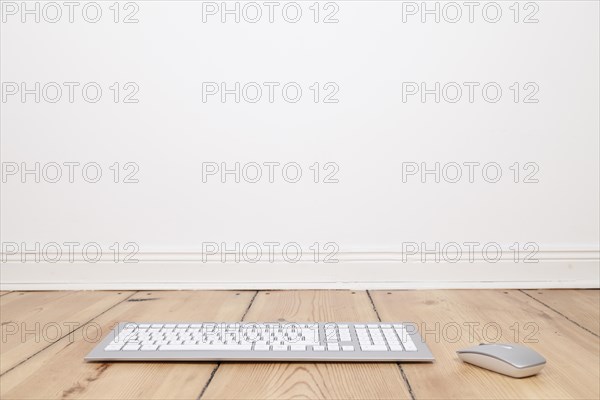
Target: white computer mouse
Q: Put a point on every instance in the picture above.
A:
(507, 359)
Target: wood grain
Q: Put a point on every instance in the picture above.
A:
(572, 353)
(57, 370)
(60, 372)
(32, 321)
(309, 380)
(580, 306)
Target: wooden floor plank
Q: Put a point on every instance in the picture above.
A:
(572, 353)
(580, 306)
(32, 321)
(304, 380)
(60, 372)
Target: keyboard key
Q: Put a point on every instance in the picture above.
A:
(205, 347)
(113, 347)
(347, 348)
(390, 335)
(333, 347)
(374, 348)
(278, 347)
(401, 332)
(149, 347)
(298, 347)
(396, 347)
(318, 348)
(406, 340)
(262, 347)
(131, 347)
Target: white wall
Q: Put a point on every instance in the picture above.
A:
(371, 217)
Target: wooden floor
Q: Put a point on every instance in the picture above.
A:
(45, 336)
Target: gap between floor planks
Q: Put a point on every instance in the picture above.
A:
(448, 376)
(320, 379)
(446, 320)
(309, 380)
(60, 372)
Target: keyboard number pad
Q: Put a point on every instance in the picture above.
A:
(384, 337)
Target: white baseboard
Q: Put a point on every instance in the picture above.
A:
(355, 270)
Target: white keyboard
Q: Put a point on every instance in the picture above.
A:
(262, 341)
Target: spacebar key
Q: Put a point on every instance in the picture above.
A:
(204, 347)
